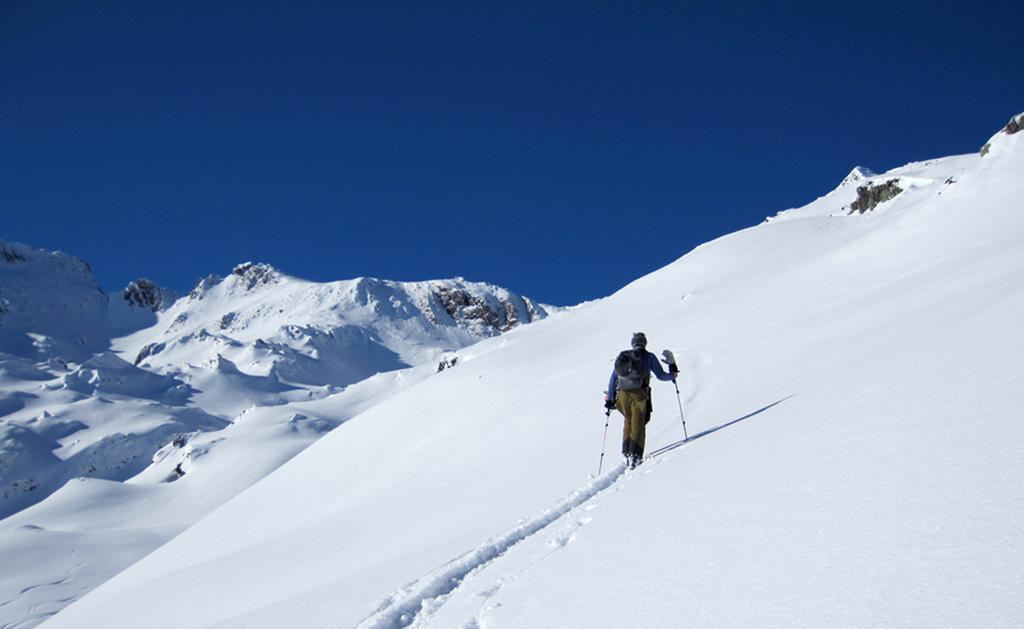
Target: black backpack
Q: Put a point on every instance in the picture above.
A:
(629, 365)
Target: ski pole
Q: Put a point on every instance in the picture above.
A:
(608, 418)
(681, 416)
(670, 360)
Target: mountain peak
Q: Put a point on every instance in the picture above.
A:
(53, 263)
(204, 284)
(253, 274)
(857, 175)
(50, 294)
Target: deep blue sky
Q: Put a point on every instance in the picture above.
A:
(559, 149)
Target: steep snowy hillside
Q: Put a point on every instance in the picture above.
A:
(850, 389)
(52, 309)
(120, 442)
(58, 382)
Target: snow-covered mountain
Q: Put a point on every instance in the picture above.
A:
(283, 329)
(52, 308)
(850, 385)
(158, 408)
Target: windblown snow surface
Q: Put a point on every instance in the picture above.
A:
(851, 386)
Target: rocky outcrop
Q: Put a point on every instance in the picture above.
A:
(535, 311)
(460, 305)
(149, 350)
(501, 313)
(10, 254)
(447, 363)
(253, 274)
(144, 293)
(873, 194)
(1015, 125)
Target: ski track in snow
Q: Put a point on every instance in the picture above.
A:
(423, 597)
(555, 543)
(420, 600)
(416, 603)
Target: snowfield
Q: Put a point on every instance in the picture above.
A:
(125, 418)
(851, 393)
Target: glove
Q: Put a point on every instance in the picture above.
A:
(609, 404)
(670, 360)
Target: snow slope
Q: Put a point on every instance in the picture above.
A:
(91, 529)
(108, 451)
(851, 393)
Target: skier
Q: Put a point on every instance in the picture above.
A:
(629, 391)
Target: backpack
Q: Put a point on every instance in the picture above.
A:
(629, 365)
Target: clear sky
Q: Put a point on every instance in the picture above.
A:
(559, 149)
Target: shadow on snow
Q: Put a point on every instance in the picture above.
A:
(673, 446)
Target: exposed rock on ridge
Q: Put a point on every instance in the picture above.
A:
(871, 195)
(11, 254)
(144, 293)
(500, 311)
(255, 274)
(1015, 125)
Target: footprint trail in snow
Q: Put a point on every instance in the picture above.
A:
(426, 595)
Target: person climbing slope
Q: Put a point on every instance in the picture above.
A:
(629, 391)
